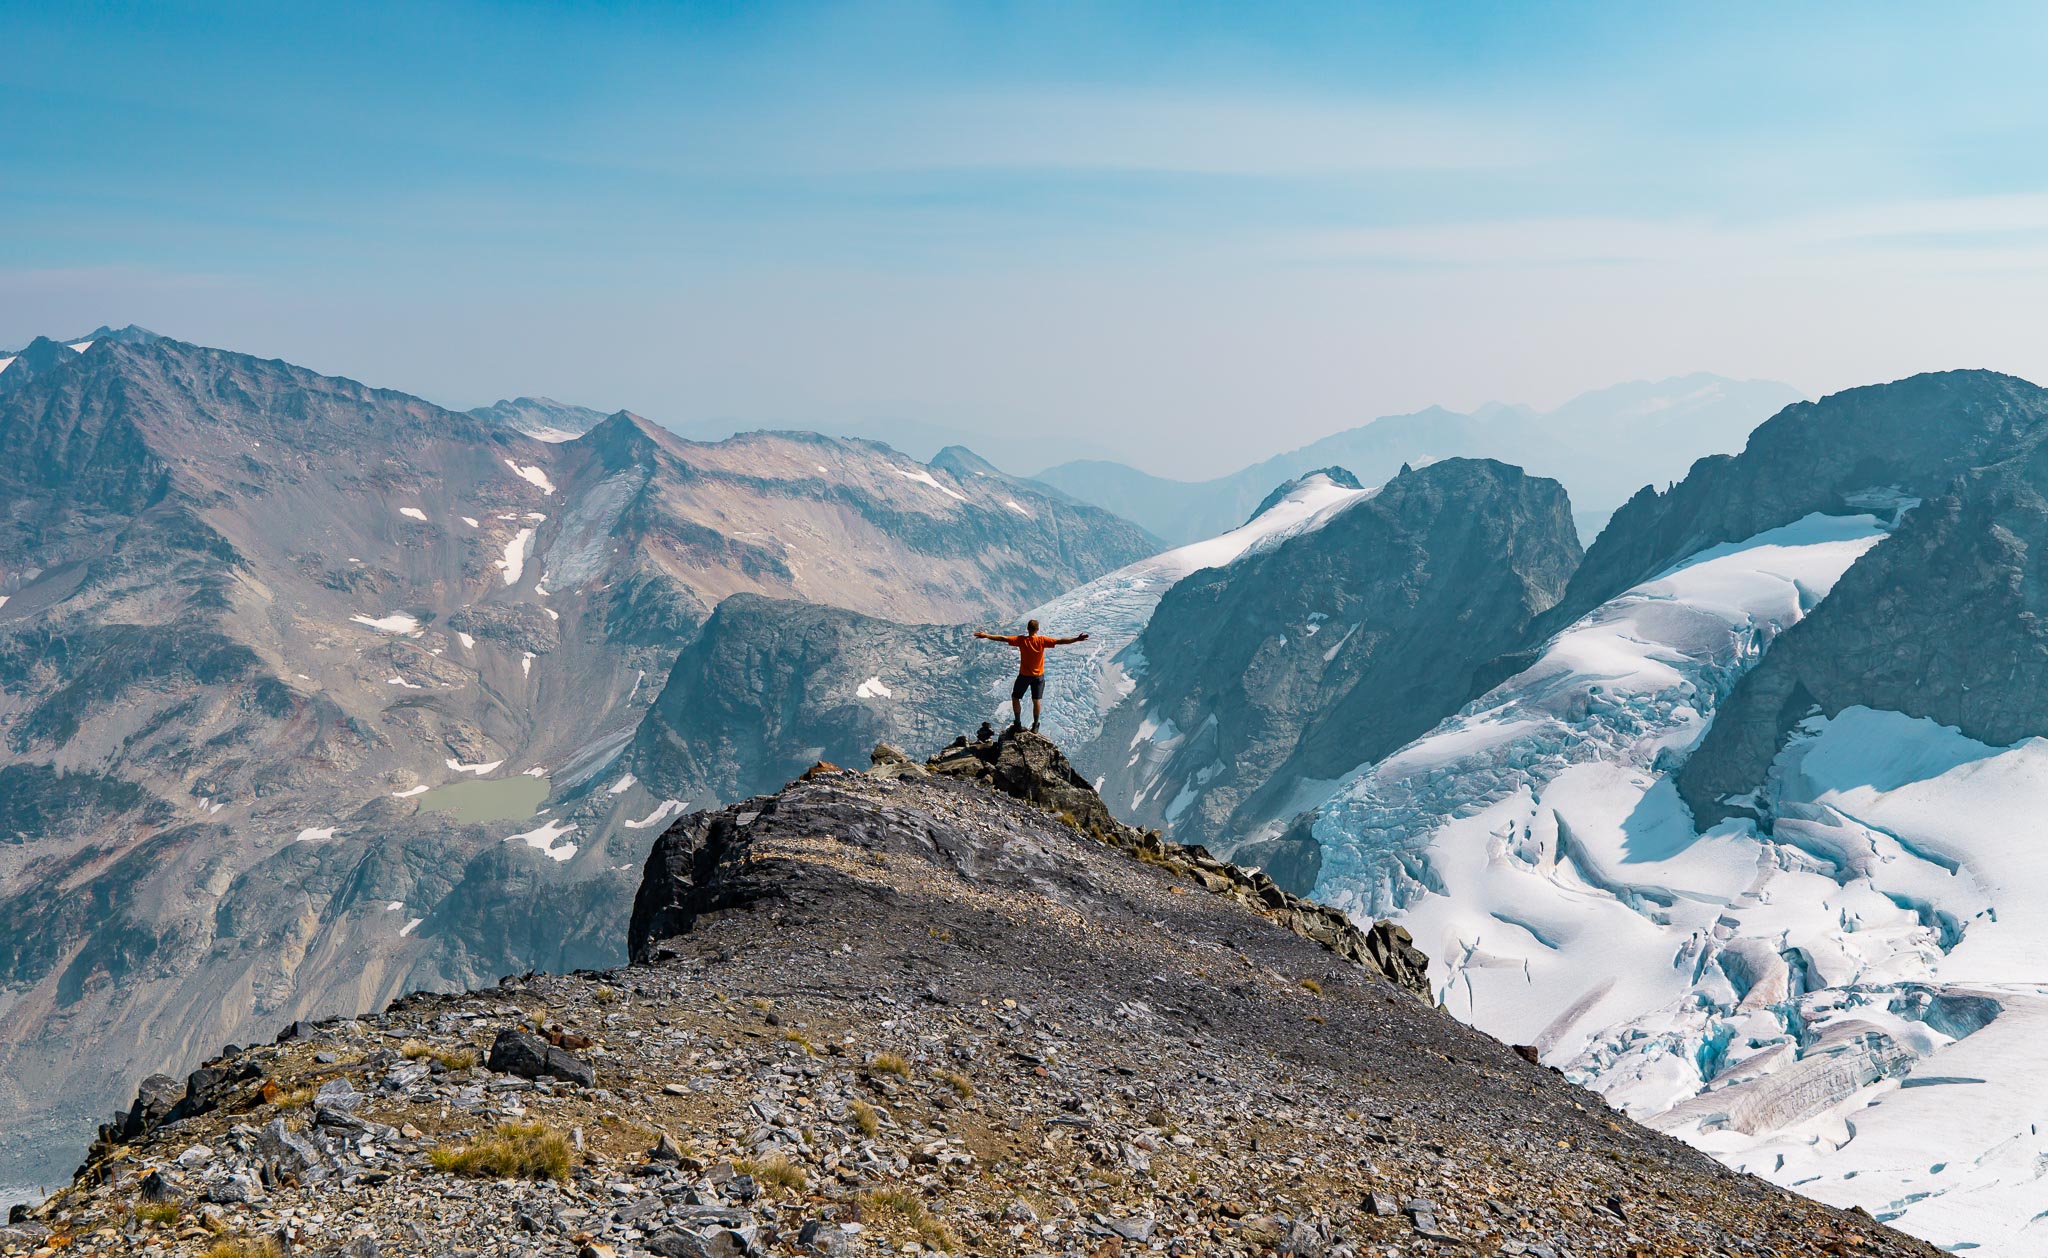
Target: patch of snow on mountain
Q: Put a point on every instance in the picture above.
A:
(923, 477)
(396, 622)
(400, 681)
(1087, 679)
(5, 363)
(468, 643)
(873, 688)
(489, 766)
(532, 475)
(526, 663)
(410, 926)
(621, 786)
(315, 834)
(1814, 1002)
(471, 521)
(1018, 507)
(543, 839)
(413, 513)
(81, 346)
(409, 792)
(668, 808)
(514, 562)
(553, 436)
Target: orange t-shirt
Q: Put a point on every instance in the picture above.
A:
(1030, 653)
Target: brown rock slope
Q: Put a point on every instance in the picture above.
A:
(904, 1011)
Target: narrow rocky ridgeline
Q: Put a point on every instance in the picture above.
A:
(948, 1007)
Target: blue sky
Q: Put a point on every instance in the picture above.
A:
(1185, 234)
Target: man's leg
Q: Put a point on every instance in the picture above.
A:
(1034, 714)
(1017, 704)
(1037, 695)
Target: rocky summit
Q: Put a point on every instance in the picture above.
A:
(948, 1006)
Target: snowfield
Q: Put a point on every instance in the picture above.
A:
(1847, 1004)
(397, 622)
(513, 565)
(923, 477)
(532, 475)
(543, 840)
(668, 808)
(872, 688)
(1094, 676)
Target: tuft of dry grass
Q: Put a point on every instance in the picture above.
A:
(890, 1064)
(1312, 987)
(161, 1213)
(801, 1040)
(239, 1248)
(962, 1086)
(296, 1098)
(866, 1119)
(450, 1058)
(512, 1151)
(775, 1173)
(902, 1211)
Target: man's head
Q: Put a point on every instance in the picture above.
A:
(1031, 626)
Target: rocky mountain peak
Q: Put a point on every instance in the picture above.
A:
(1880, 443)
(897, 1008)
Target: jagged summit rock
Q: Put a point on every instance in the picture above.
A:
(872, 1012)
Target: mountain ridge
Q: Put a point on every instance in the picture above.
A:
(920, 1010)
(1602, 445)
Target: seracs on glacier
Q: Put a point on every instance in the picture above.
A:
(1846, 1003)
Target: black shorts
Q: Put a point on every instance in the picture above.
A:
(1036, 685)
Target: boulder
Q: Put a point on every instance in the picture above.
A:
(515, 1052)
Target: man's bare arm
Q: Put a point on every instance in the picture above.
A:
(1079, 637)
(992, 637)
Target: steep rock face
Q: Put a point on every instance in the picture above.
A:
(771, 686)
(1294, 664)
(1859, 450)
(1947, 620)
(252, 617)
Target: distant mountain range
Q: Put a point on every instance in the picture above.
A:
(287, 664)
(1602, 446)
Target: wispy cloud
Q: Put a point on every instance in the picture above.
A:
(1992, 231)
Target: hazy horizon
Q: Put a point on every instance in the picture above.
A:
(1184, 237)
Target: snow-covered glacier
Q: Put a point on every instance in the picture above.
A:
(1112, 609)
(1849, 1002)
